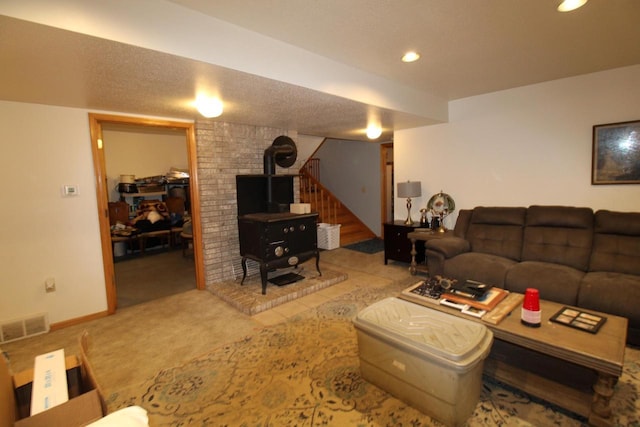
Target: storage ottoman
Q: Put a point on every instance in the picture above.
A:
(428, 359)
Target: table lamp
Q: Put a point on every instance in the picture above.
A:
(409, 189)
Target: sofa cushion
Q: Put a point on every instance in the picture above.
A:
(559, 283)
(612, 293)
(462, 223)
(616, 244)
(558, 234)
(485, 268)
(437, 250)
(497, 231)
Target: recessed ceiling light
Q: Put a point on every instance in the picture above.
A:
(569, 5)
(410, 57)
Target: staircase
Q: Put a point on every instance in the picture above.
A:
(330, 209)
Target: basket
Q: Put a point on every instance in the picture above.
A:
(328, 236)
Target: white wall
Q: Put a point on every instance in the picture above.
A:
(306, 146)
(530, 145)
(143, 152)
(43, 234)
(351, 171)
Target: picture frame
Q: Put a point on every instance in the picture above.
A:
(616, 153)
(579, 319)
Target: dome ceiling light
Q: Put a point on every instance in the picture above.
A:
(207, 106)
(374, 131)
(569, 5)
(410, 56)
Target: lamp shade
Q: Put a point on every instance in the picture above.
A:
(409, 189)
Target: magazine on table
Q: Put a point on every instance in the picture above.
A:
(476, 295)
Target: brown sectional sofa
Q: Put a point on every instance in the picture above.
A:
(570, 254)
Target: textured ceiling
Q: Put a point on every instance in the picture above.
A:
(468, 48)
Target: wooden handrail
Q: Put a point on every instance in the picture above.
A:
(320, 199)
(312, 168)
(330, 209)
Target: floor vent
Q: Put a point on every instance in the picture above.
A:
(23, 328)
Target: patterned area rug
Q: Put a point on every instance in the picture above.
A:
(305, 372)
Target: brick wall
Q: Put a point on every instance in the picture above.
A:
(225, 150)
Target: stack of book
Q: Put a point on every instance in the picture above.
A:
(471, 297)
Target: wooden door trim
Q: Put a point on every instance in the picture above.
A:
(383, 182)
(95, 124)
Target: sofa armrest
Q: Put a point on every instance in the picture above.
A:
(438, 250)
(448, 247)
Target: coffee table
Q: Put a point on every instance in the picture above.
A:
(573, 369)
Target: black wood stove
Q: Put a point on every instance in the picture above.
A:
(277, 240)
(269, 233)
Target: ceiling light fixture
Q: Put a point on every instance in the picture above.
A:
(569, 5)
(374, 131)
(207, 106)
(410, 57)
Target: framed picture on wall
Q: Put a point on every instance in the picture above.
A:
(616, 153)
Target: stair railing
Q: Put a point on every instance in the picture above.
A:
(330, 209)
(321, 200)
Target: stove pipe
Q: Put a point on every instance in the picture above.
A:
(270, 155)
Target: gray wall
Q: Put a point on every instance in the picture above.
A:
(351, 171)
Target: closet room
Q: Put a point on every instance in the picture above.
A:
(149, 211)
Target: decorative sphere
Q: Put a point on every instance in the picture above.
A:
(441, 204)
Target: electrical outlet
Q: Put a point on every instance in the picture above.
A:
(50, 284)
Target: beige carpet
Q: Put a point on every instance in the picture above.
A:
(138, 341)
(248, 297)
(306, 373)
(157, 274)
(194, 351)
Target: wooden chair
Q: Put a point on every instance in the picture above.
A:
(175, 205)
(161, 234)
(119, 213)
(186, 235)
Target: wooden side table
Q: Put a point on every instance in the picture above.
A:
(423, 236)
(396, 245)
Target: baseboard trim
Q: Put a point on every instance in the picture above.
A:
(78, 320)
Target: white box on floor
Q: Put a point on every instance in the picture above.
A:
(328, 236)
(428, 359)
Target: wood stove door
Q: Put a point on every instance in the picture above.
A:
(304, 236)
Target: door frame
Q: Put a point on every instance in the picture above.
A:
(96, 121)
(384, 150)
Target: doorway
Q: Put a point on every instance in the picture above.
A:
(386, 172)
(96, 122)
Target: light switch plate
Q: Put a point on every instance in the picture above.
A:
(70, 190)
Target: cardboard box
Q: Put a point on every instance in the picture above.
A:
(300, 208)
(85, 403)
